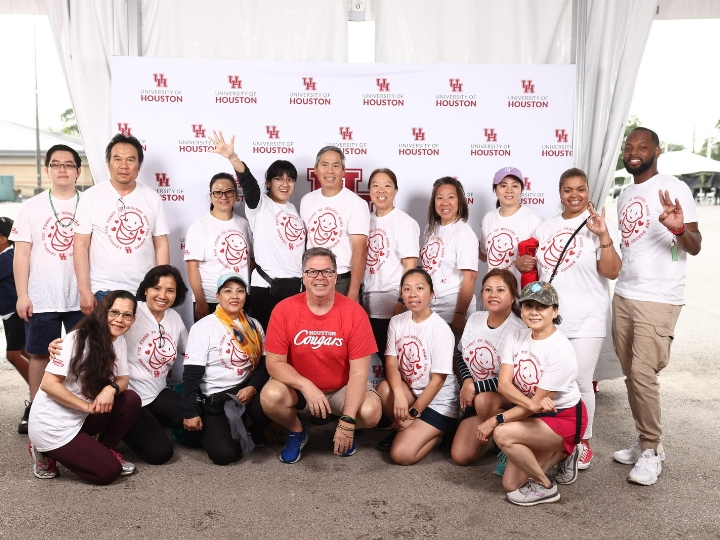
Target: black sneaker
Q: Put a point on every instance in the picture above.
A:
(385, 444)
(384, 424)
(23, 425)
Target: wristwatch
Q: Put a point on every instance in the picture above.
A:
(115, 386)
(414, 412)
(500, 418)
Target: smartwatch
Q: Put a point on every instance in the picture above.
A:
(115, 386)
(500, 418)
(414, 412)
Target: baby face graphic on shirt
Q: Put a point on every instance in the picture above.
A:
(499, 246)
(482, 363)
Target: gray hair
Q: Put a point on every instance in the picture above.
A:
(330, 149)
(319, 252)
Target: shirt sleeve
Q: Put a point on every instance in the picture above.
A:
(359, 220)
(408, 239)
(362, 341)
(507, 347)
(22, 226)
(461, 365)
(121, 363)
(443, 343)
(182, 340)
(245, 227)
(250, 187)
(161, 226)
(467, 249)
(197, 346)
(83, 216)
(276, 340)
(390, 344)
(60, 365)
(195, 243)
(484, 227)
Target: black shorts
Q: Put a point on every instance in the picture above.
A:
(14, 333)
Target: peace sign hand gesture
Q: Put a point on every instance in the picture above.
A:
(596, 223)
(672, 215)
(226, 150)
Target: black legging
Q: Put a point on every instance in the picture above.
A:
(147, 436)
(380, 331)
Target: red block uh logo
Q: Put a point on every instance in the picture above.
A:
(345, 133)
(160, 80)
(198, 130)
(124, 129)
(309, 83)
(490, 134)
(352, 180)
(383, 85)
(162, 179)
(234, 81)
(456, 85)
(528, 86)
(418, 133)
(561, 135)
(527, 184)
(273, 132)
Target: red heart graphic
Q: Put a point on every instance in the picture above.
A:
(640, 223)
(142, 232)
(147, 352)
(227, 350)
(114, 228)
(571, 252)
(382, 254)
(116, 221)
(239, 371)
(222, 251)
(511, 254)
(543, 248)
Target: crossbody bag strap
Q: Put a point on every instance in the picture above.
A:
(562, 253)
(264, 275)
(578, 422)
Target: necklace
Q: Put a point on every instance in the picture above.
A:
(72, 219)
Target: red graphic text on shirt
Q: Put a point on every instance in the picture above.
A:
(231, 249)
(377, 250)
(128, 228)
(58, 240)
(412, 358)
(480, 357)
(501, 248)
(156, 353)
(325, 228)
(290, 229)
(432, 254)
(634, 220)
(550, 250)
(232, 357)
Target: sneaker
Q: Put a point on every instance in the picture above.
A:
(532, 493)
(350, 451)
(385, 444)
(567, 469)
(501, 464)
(127, 467)
(384, 424)
(23, 425)
(629, 456)
(586, 456)
(295, 442)
(43, 466)
(595, 387)
(646, 469)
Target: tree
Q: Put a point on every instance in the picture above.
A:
(70, 126)
(714, 148)
(632, 123)
(671, 147)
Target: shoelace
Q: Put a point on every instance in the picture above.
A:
(118, 455)
(530, 486)
(295, 439)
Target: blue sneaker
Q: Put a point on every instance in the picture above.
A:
(350, 451)
(501, 464)
(294, 443)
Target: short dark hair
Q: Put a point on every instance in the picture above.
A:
(319, 252)
(653, 135)
(510, 281)
(222, 176)
(420, 271)
(384, 171)
(280, 167)
(152, 278)
(62, 148)
(325, 149)
(572, 173)
(124, 139)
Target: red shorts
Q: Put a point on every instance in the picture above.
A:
(563, 423)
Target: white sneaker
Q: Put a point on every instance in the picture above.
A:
(646, 470)
(629, 456)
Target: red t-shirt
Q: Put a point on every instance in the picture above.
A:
(320, 348)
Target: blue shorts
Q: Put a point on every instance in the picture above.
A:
(42, 328)
(437, 420)
(101, 294)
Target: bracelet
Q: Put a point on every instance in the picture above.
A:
(345, 428)
(236, 158)
(678, 233)
(349, 419)
(348, 436)
(603, 246)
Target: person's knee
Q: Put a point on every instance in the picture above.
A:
(501, 436)
(402, 455)
(161, 454)
(272, 396)
(383, 390)
(131, 400)
(484, 405)
(108, 475)
(370, 411)
(224, 455)
(460, 454)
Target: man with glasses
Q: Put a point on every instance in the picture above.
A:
(336, 218)
(318, 348)
(126, 223)
(43, 266)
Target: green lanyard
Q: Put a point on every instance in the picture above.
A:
(60, 221)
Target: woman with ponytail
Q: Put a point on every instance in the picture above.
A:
(225, 360)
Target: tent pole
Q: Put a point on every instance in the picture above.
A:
(134, 28)
(580, 24)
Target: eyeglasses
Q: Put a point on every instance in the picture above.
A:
(312, 273)
(229, 194)
(287, 181)
(115, 313)
(161, 340)
(63, 166)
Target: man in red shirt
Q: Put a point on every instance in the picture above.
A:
(318, 348)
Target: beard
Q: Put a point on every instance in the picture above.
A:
(639, 169)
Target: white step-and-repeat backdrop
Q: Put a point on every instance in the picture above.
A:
(423, 121)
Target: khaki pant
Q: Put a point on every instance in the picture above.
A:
(643, 333)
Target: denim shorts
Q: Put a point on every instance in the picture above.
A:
(42, 328)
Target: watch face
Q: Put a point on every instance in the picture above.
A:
(414, 412)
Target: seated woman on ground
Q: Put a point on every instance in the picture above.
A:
(537, 373)
(477, 359)
(225, 359)
(84, 392)
(420, 394)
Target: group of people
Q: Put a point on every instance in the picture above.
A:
(289, 306)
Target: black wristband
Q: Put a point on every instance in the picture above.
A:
(115, 386)
(348, 419)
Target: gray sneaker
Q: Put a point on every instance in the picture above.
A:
(532, 493)
(44, 467)
(630, 456)
(567, 469)
(127, 467)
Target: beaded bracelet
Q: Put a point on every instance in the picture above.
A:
(343, 428)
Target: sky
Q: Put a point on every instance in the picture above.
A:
(676, 91)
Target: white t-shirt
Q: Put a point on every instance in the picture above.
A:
(121, 247)
(53, 425)
(422, 349)
(583, 293)
(52, 285)
(648, 272)
(500, 236)
(548, 363)
(480, 345)
(331, 220)
(447, 251)
(393, 237)
(150, 357)
(278, 240)
(211, 345)
(221, 247)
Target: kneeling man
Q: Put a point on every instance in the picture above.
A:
(318, 348)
